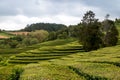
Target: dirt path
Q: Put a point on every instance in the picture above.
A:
(3, 37)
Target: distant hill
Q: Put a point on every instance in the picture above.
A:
(45, 26)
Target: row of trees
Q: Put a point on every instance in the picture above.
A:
(91, 33)
(95, 34)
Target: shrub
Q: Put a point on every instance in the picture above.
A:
(4, 61)
(1, 58)
(16, 73)
(26, 41)
(33, 41)
(41, 35)
(13, 43)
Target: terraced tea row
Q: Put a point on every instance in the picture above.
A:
(40, 54)
(49, 72)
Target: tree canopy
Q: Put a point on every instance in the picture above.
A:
(90, 35)
(44, 26)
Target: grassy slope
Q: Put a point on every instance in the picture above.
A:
(102, 64)
(12, 52)
(6, 34)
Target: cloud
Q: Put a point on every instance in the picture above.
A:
(20, 21)
(16, 14)
(111, 7)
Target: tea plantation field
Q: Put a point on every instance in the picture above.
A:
(61, 60)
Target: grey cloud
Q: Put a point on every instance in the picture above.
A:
(54, 9)
(109, 6)
(39, 7)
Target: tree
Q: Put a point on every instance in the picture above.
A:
(74, 31)
(41, 35)
(63, 35)
(52, 36)
(33, 41)
(90, 34)
(117, 21)
(26, 41)
(110, 37)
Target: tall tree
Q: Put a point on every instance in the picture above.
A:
(110, 37)
(90, 34)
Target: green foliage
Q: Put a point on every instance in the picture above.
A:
(61, 54)
(40, 35)
(34, 41)
(49, 72)
(13, 43)
(74, 31)
(52, 36)
(90, 34)
(17, 37)
(117, 21)
(1, 58)
(26, 41)
(17, 70)
(63, 35)
(110, 37)
(6, 34)
(87, 76)
(4, 61)
(44, 26)
(45, 53)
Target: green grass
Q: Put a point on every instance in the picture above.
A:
(62, 60)
(102, 64)
(5, 72)
(49, 72)
(45, 53)
(6, 34)
(65, 60)
(10, 52)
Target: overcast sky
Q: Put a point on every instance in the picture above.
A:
(16, 14)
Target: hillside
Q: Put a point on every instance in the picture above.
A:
(44, 26)
(63, 60)
(4, 34)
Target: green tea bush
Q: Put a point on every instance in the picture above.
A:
(87, 76)
(4, 61)
(1, 58)
(17, 70)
